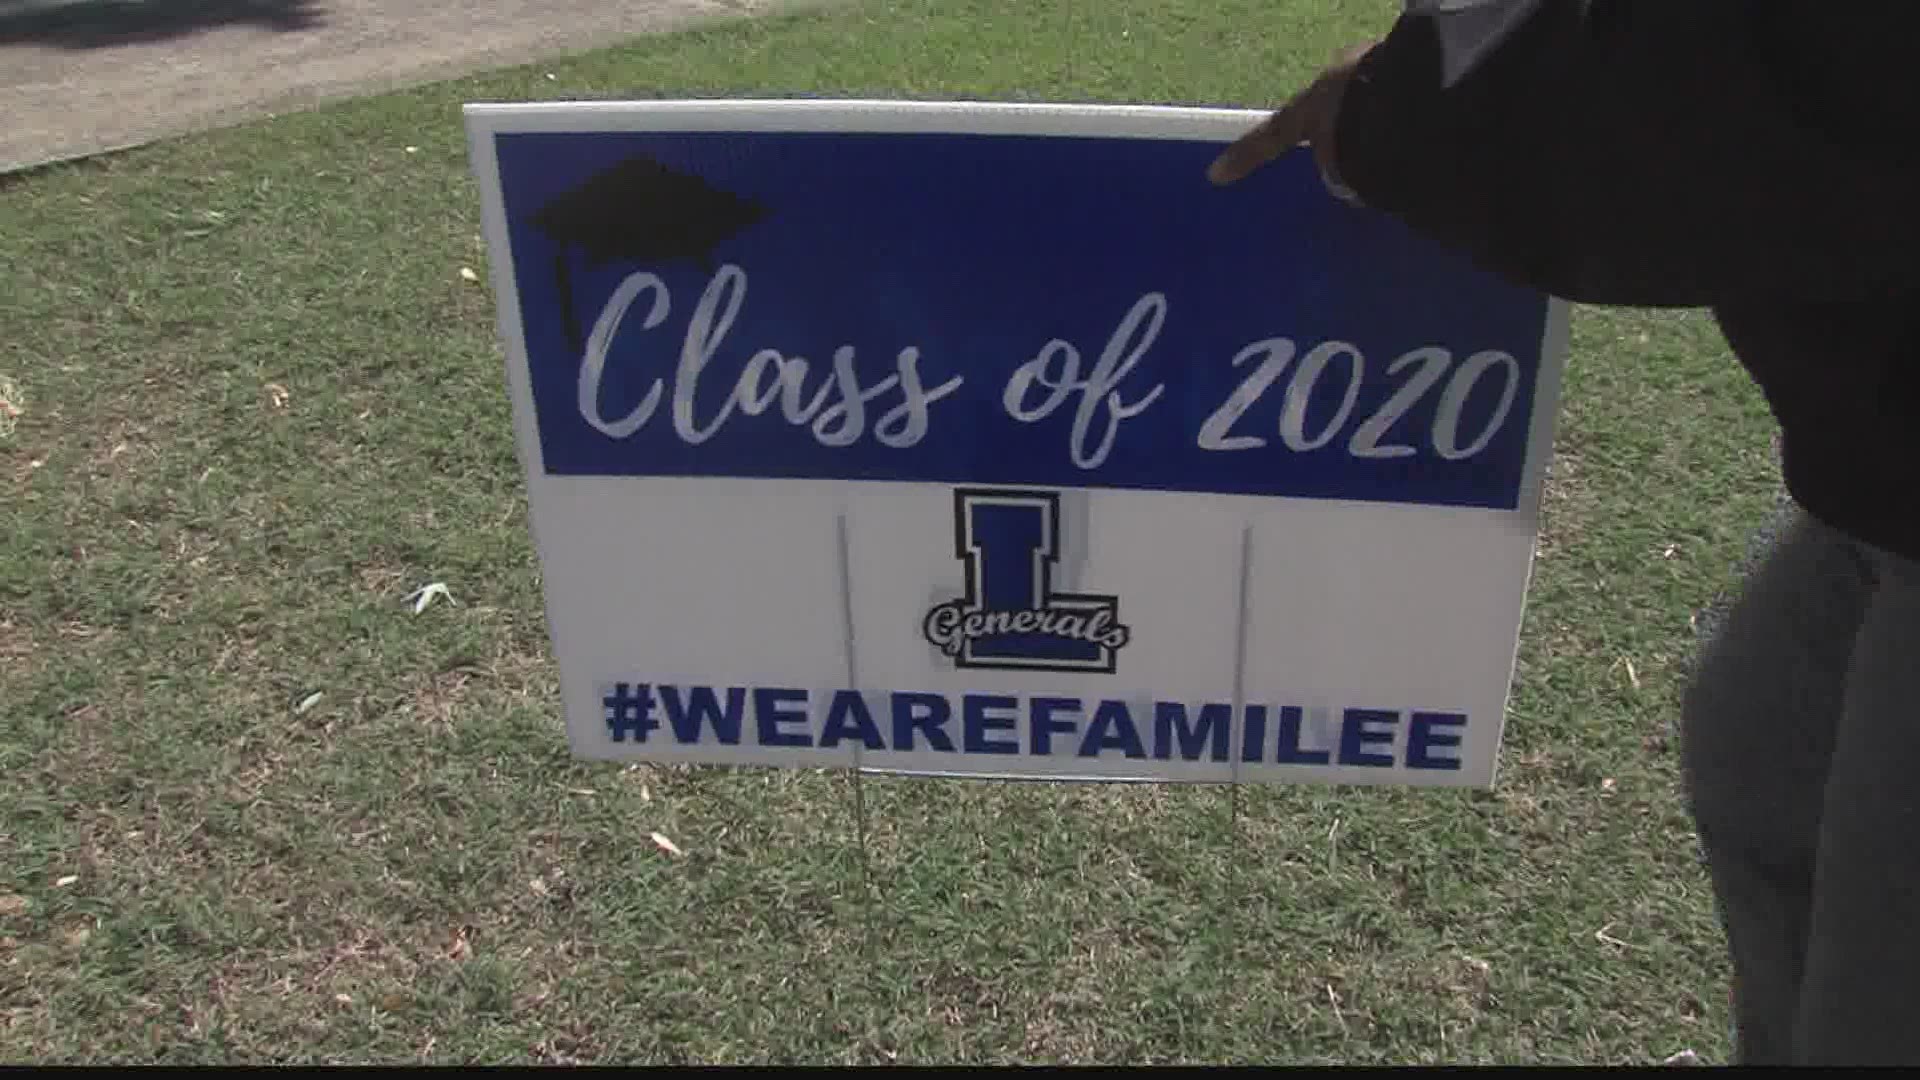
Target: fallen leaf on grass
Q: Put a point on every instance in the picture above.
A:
(539, 886)
(467, 274)
(459, 947)
(1608, 784)
(308, 702)
(12, 405)
(66, 880)
(343, 999)
(660, 841)
(1605, 938)
(424, 595)
(277, 394)
(1334, 999)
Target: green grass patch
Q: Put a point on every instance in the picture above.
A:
(259, 405)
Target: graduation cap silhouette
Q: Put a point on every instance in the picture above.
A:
(640, 211)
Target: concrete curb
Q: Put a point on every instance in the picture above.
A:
(73, 102)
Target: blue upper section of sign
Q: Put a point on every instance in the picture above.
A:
(1089, 295)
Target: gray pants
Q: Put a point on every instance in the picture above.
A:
(1801, 736)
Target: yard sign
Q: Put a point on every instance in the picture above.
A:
(991, 439)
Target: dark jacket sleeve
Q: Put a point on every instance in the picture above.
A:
(1653, 153)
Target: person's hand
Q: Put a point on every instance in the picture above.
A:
(1308, 118)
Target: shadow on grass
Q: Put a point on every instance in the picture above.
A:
(99, 24)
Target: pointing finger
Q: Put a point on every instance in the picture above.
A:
(1277, 134)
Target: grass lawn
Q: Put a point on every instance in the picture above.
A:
(254, 808)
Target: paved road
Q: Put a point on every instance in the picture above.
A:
(73, 83)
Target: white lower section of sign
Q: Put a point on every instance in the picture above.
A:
(786, 622)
